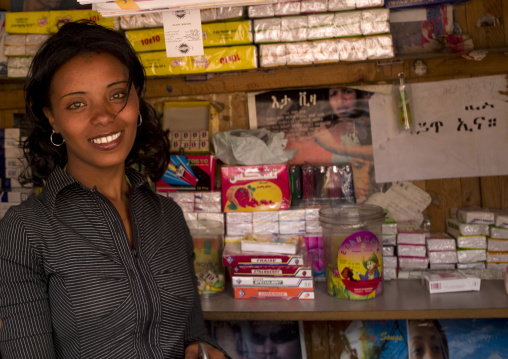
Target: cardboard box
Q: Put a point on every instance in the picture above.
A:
(393, 4)
(255, 188)
(455, 281)
(188, 172)
(273, 293)
(280, 282)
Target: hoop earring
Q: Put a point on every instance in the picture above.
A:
(140, 119)
(55, 144)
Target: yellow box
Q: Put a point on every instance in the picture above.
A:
(214, 34)
(26, 22)
(215, 59)
(63, 16)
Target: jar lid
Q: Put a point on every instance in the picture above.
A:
(351, 214)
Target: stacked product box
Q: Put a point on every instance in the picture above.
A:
(269, 267)
(198, 204)
(188, 173)
(442, 251)
(411, 248)
(190, 141)
(389, 232)
(471, 241)
(11, 158)
(27, 30)
(497, 246)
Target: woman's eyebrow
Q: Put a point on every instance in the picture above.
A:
(116, 83)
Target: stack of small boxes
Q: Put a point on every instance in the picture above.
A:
(497, 247)
(389, 231)
(471, 241)
(442, 251)
(411, 248)
(190, 141)
(198, 205)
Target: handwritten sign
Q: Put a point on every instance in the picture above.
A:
(461, 130)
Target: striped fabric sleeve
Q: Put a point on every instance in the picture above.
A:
(26, 322)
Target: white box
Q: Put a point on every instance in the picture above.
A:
(455, 281)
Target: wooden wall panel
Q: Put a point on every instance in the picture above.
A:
(435, 210)
(470, 188)
(320, 340)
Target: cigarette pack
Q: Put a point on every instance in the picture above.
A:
(455, 281)
(266, 271)
(273, 293)
(233, 255)
(279, 282)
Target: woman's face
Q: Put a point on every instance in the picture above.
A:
(87, 95)
(425, 342)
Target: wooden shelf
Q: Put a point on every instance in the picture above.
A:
(402, 299)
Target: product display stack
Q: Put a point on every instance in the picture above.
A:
(269, 266)
(411, 248)
(442, 251)
(471, 237)
(497, 246)
(389, 230)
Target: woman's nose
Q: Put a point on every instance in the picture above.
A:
(103, 114)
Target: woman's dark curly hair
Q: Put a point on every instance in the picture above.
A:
(151, 146)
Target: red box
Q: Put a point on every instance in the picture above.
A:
(255, 188)
(273, 293)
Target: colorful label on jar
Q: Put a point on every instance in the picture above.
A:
(358, 274)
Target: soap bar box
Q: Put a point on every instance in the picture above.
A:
(454, 281)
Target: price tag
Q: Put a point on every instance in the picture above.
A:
(182, 30)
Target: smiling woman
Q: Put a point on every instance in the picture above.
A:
(97, 265)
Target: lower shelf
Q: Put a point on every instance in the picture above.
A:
(401, 299)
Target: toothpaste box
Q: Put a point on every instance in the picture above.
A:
(273, 293)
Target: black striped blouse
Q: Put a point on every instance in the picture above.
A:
(72, 287)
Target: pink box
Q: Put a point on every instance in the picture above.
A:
(255, 188)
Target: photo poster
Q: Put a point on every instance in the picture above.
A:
(325, 125)
(425, 338)
(260, 339)
(461, 130)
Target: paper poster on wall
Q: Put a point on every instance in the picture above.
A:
(324, 125)
(461, 130)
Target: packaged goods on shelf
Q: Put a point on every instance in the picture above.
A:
(474, 265)
(415, 250)
(260, 11)
(471, 255)
(375, 21)
(287, 8)
(389, 226)
(388, 251)
(270, 243)
(352, 49)
(255, 188)
(379, 47)
(272, 281)
(315, 255)
(360, 4)
(267, 30)
(299, 53)
(325, 51)
(321, 26)
(389, 273)
(501, 267)
(389, 239)
(341, 5)
(389, 261)
(392, 4)
(313, 6)
(272, 55)
(233, 255)
(442, 266)
(455, 281)
(476, 242)
(293, 28)
(440, 242)
(149, 20)
(278, 271)
(442, 257)
(410, 262)
(498, 232)
(215, 59)
(475, 215)
(27, 22)
(410, 233)
(501, 218)
(231, 12)
(456, 228)
(188, 172)
(501, 256)
(208, 15)
(17, 67)
(273, 293)
(227, 33)
(239, 217)
(347, 23)
(497, 245)
(208, 216)
(208, 197)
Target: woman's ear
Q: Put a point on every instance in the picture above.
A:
(49, 114)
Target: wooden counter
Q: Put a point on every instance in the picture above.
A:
(402, 299)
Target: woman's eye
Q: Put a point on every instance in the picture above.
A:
(75, 105)
(118, 96)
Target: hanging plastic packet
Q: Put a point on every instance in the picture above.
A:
(404, 104)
